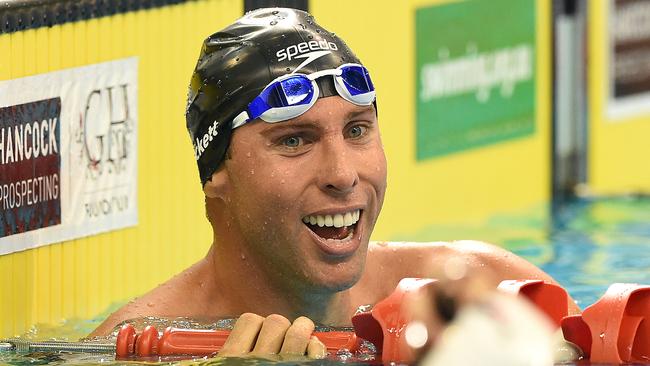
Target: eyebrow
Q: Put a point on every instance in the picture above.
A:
(305, 124)
(273, 128)
(360, 111)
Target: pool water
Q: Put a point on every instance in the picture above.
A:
(588, 245)
(594, 243)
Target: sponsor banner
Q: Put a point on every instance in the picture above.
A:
(629, 55)
(68, 154)
(475, 72)
(30, 166)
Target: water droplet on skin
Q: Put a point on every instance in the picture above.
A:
(243, 257)
(150, 304)
(288, 69)
(602, 335)
(274, 22)
(282, 181)
(248, 154)
(252, 171)
(275, 12)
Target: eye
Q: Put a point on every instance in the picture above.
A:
(357, 131)
(293, 141)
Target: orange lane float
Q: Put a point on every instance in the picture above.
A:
(615, 329)
(201, 342)
(385, 324)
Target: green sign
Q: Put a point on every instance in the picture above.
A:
(475, 70)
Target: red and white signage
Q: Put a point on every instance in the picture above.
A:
(68, 154)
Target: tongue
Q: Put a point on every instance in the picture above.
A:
(336, 233)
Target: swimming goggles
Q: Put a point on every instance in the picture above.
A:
(291, 95)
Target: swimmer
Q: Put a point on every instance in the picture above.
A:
(283, 118)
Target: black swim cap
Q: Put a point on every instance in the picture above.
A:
(239, 61)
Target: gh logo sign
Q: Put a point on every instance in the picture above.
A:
(105, 129)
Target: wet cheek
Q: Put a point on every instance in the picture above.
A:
(375, 165)
(276, 199)
(270, 185)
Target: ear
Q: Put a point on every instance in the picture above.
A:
(217, 186)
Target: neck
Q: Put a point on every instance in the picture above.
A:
(242, 286)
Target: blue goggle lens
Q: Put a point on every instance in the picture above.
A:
(292, 91)
(357, 80)
(295, 90)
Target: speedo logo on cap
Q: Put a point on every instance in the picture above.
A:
(201, 144)
(295, 50)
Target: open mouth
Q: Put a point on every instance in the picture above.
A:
(333, 227)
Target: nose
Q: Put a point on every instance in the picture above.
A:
(338, 174)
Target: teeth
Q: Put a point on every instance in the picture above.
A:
(337, 220)
(347, 219)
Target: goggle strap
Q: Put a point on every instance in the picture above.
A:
(240, 119)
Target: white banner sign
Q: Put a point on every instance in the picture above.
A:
(68, 154)
(629, 59)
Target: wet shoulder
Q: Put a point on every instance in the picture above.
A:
(169, 299)
(427, 259)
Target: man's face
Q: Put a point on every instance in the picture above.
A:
(304, 194)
